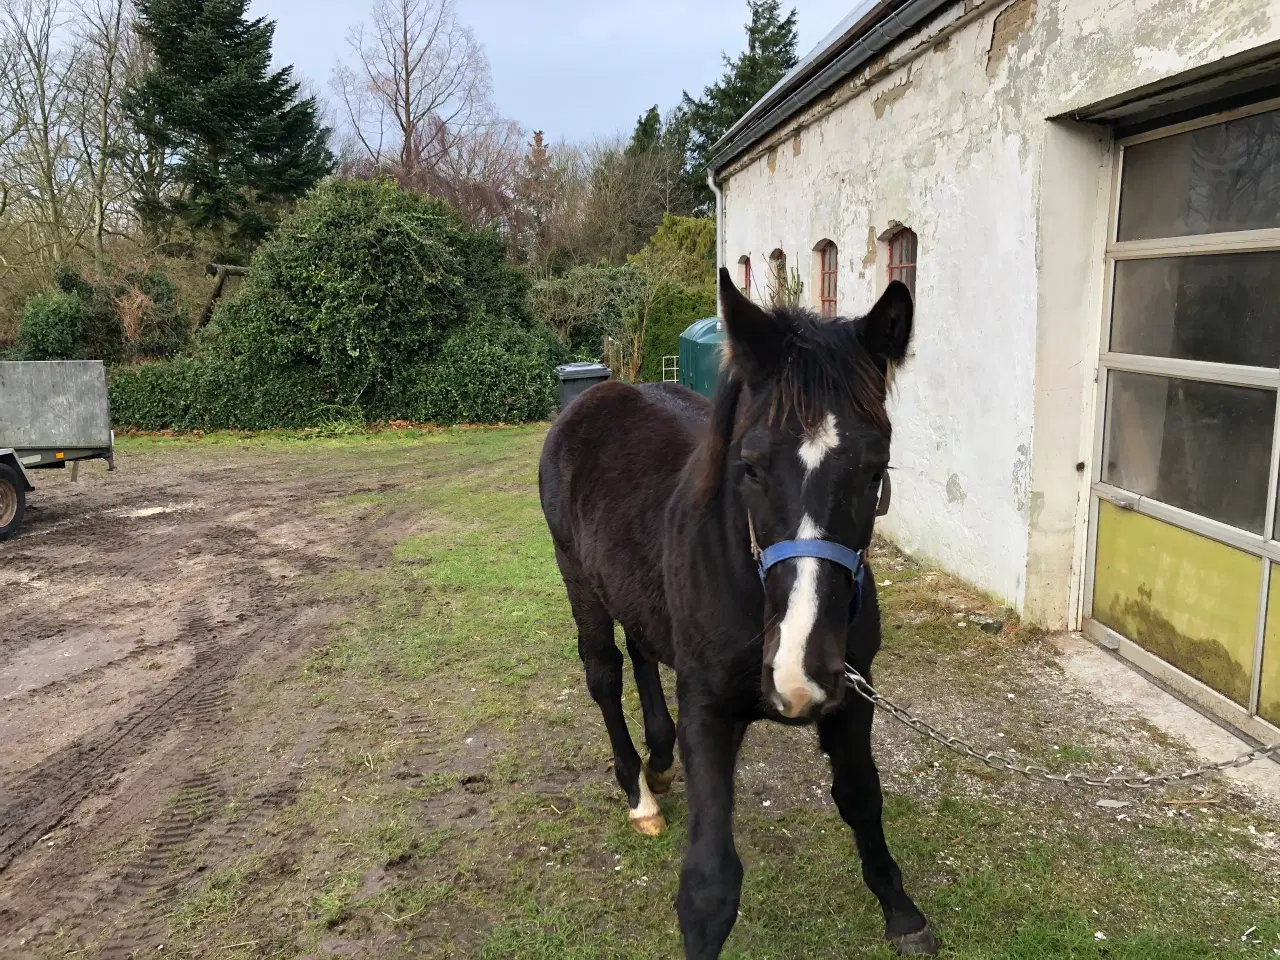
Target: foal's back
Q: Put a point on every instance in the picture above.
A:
(609, 467)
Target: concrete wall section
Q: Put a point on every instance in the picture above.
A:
(948, 134)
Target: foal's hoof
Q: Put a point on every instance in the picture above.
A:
(660, 783)
(922, 943)
(652, 825)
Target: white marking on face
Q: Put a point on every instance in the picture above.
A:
(818, 443)
(789, 678)
(648, 805)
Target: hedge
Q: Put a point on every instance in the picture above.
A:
(486, 373)
(190, 393)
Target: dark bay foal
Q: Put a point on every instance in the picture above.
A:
(657, 502)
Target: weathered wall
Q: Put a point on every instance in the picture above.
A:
(948, 134)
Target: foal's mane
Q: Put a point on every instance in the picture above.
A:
(822, 364)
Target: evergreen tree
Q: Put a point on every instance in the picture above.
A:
(648, 132)
(770, 53)
(239, 143)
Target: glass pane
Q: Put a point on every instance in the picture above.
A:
(1223, 308)
(1189, 600)
(1204, 447)
(1215, 179)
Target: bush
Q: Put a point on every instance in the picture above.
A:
(488, 373)
(368, 303)
(152, 316)
(51, 327)
(363, 284)
(673, 310)
(585, 304)
(137, 315)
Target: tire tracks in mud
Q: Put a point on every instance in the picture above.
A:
(142, 802)
(53, 789)
(191, 708)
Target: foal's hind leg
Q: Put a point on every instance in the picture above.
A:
(845, 736)
(603, 663)
(659, 728)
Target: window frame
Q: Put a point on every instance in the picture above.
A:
(828, 306)
(896, 270)
(744, 262)
(1265, 545)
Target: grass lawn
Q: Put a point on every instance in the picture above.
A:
(454, 798)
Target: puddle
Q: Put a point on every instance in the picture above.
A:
(139, 512)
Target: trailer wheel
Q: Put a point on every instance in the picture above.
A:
(13, 500)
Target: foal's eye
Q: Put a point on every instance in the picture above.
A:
(749, 471)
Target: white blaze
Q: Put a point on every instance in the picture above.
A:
(818, 443)
(789, 678)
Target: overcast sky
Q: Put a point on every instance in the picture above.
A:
(572, 68)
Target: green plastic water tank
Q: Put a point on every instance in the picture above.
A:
(700, 355)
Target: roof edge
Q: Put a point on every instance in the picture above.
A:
(836, 58)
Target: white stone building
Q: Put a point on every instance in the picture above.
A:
(1085, 195)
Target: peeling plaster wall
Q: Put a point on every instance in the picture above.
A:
(947, 134)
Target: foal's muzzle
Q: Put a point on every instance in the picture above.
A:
(822, 693)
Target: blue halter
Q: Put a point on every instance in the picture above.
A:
(852, 560)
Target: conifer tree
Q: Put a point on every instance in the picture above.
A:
(239, 144)
(770, 53)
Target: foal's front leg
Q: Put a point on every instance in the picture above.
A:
(711, 878)
(845, 737)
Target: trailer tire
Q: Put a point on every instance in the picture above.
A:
(13, 501)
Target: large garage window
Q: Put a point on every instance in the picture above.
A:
(1185, 528)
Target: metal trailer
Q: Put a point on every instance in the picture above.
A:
(51, 413)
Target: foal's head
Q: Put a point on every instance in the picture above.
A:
(801, 433)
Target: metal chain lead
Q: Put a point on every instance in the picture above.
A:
(998, 761)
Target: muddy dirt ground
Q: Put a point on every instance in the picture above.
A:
(166, 773)
(143, 609)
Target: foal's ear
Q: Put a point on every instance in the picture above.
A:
(755, 336)
(886, 330)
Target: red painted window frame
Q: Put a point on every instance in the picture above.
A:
(828, 278)
(746, 277)
(904, 247)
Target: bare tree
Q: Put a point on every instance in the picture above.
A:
(39, 161)
(103, 32)
(480, 175)
(553, 194)
(11, 119)
(419, 79)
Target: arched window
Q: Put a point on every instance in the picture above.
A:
(828, 273)
(744, 275)
(902, 258)
(778, 277)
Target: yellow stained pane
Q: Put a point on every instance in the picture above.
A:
(1187, 599)
(1269, 690)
